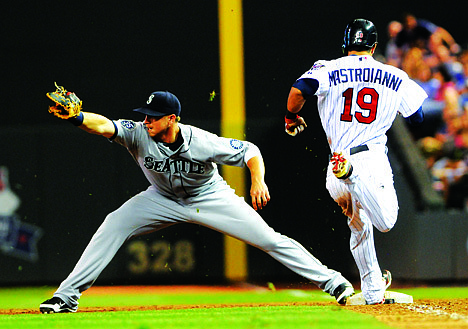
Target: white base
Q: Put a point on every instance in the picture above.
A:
(397, 297)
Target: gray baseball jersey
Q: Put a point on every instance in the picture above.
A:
(187, 188)
(189, 170)
(358, 100)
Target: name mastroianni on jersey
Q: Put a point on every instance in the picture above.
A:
(374, 75)
(367, 74)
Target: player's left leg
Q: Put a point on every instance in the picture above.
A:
(229, 214)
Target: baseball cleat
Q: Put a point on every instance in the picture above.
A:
(390, 297)
(387, 279)
(56, 305)
(342, 168)
(343, 292)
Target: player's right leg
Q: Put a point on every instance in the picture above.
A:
(134, 217)
(371, 183)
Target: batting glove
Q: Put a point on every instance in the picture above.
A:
(294, 126)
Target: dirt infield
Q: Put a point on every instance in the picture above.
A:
(438, 314)
(434, 314)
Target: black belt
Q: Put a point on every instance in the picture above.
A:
(355, 150)
(358, 149)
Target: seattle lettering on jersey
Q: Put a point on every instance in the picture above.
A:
(365, 75)
(173, 166)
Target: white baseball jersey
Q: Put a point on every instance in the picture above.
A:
(359, 98)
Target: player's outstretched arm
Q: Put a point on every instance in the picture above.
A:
(97, 124)
(258, 190)
(69, 107)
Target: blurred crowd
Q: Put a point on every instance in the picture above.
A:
(429, 55)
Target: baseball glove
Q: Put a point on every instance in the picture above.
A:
(67, 104)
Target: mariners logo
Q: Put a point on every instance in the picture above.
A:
(150, 99)
(128, 124)
(236, 144)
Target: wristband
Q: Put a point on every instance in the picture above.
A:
(290, 117)
(78, 120)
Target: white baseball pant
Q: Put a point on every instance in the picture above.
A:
(368, 198)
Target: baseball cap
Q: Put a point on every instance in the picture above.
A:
(160, 103)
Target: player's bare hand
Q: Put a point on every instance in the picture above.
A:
(259, 194)
(294, 127)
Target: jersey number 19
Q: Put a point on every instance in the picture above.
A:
(367, 99)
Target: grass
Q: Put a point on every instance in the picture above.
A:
(284, 317)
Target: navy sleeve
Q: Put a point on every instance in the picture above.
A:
(115, 132)
(307, 86)
(416, 118)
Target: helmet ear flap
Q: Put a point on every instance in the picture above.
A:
(346, 39)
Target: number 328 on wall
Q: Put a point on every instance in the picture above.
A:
(161, 257)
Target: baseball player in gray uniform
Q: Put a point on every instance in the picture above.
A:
(180, 162)
(358, 99)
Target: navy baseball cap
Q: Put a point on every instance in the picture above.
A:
(160, 103)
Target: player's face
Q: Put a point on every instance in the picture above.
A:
(157, 127)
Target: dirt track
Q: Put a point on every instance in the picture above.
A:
(435, 314)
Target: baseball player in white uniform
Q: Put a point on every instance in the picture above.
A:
(180, 162)
(358, 99)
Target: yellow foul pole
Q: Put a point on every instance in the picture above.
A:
(232, 117)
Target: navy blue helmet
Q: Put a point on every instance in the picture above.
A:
(359, 33)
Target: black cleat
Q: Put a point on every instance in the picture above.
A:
(343, 292)
(56, 305)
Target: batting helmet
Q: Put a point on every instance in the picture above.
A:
(359, 33)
